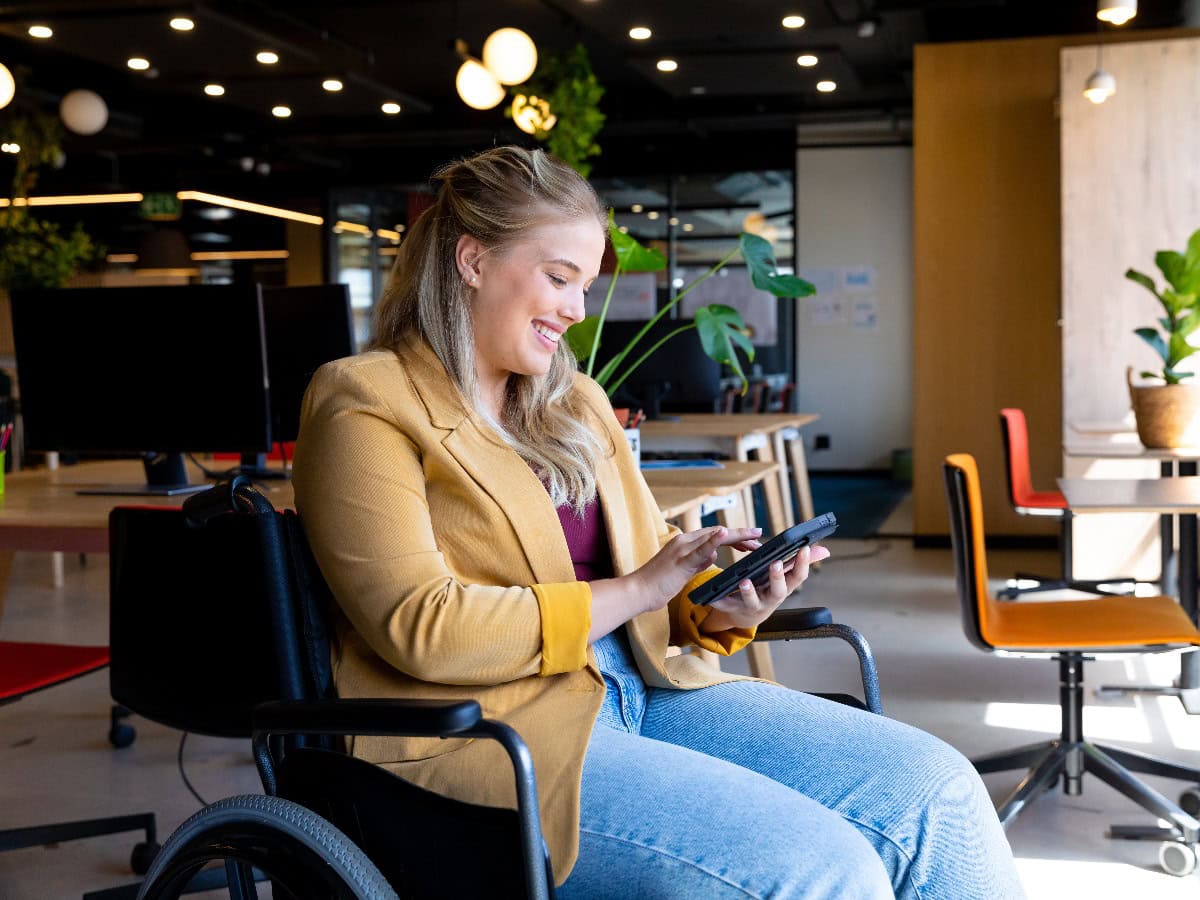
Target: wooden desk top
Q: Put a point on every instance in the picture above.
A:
(734, 476)
(716, 425)
(675, 501)
(40, 511)
(1151, 495)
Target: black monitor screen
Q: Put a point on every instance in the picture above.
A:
(677, 377)
(129, 370)
(306, 328)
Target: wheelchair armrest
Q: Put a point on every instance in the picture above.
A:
(407, 718)
(801, 619)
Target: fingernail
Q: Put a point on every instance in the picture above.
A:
(756, 530)
(776, 567)
(746, 585)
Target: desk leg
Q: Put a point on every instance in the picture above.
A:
(799, 465)
(1168, 579)
(785, 487)
(775, 515)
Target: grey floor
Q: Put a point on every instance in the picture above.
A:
(56, 763)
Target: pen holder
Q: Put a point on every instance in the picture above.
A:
(3, 454)
(632, 435)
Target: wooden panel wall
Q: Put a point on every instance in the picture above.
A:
(1130, 187)
(986, 267)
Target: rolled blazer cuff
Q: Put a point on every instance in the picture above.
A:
(688, 618)
(566, 620)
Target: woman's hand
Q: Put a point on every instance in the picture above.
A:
(750, 606)
(685, 556)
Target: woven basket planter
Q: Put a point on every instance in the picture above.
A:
(1168, 415)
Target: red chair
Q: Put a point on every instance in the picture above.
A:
(1028, 502)
(28, 667)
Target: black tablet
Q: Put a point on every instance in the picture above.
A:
(756, 565)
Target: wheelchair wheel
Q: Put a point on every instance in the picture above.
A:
(303, 855)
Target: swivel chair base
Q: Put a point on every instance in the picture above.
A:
(1070, 756)
(1118, 586)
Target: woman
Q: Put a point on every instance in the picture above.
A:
(429, 472)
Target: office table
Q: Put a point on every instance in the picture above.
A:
(769, 436)
(1178, 496)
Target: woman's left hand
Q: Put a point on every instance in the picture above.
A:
(750, 606)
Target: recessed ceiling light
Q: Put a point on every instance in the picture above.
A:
(182, 23)
(688, 226)
(391, 108)
(214, 90)
(808, 60)
(698, 90)
(333, 85)
(672, 221)
(793, 21)
(640, 33)
(826, 87)
(267, 57)
(624, 229)
(281, 112)
(138, 63)
(666, 65)
(41, 31)
(652, 215)
(637, 208)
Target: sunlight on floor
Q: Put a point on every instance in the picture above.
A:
(1053, 879)
(1099, 723)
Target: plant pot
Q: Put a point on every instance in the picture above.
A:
(1168, 415)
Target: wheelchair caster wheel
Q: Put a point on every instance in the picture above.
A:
(121, 734)
(142, 856)
(1177, 859)
(1189, 801)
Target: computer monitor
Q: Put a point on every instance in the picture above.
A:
(157, 371)
(306, 327)
(677, 377)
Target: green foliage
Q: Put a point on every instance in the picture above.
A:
(720, 328)
(568, 83)
(1181, 305)
(35, 252)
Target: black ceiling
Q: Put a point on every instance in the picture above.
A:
(737, 94)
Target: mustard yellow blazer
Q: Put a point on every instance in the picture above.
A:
(454, 580)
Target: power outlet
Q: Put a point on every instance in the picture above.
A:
(821, 442)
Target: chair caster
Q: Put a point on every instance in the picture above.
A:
(1177, 858)
(142, 856)
(121, 734)
(1189, 801)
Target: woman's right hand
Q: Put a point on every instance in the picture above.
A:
(685, 556)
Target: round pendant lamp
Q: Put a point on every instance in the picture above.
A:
(477, 86)
(510, 55)
(84, 112)
(8, 87)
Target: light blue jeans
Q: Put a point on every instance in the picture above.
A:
(751, 790)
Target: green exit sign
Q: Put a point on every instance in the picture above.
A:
(160, 207)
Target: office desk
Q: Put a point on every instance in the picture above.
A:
(1165, 496)
(769, 436)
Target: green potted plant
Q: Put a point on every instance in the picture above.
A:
(720, 328)
(1166, 413)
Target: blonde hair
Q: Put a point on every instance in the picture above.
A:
(496, 197)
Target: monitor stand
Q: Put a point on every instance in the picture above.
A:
(166, 476)
(254, 466)
(655, 391)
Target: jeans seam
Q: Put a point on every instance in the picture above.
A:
(899, 849)
(658, 851)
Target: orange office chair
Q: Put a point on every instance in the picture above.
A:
(1070, 631)
(1028, 502)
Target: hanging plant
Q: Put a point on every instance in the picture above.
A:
(567, 84)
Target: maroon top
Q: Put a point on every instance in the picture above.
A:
(587, 540)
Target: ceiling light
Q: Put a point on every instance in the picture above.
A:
(640, 33)
(138, 63)
(688, 226)
(214, 90)
(267, 57)
(826, 87)
(8, 87)
(868, 27)
(793, 21)
(652, 215)
(41, 31)
(73, 200)
(510, 55)
(532, 114)
(84, 112)
(281, 111)
(1100, 86)
(636, 208)
(672, 221)
(666, 65)
(246, 205)
(390, 108)
(624, 229)
(477, 86)
(807, 60)
(333, 85)
(7, 147)
(1116, 12)
(182, 23)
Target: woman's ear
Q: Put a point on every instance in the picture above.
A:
(466, 258)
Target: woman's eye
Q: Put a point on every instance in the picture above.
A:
(560, 282)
